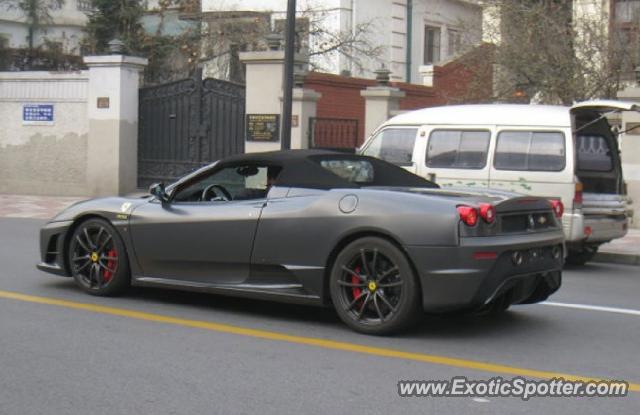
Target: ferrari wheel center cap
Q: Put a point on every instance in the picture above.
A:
(372, 286)
(94, 256)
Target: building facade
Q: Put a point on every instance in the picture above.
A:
(60, 27)
(407, 33)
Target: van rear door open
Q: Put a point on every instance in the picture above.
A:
(598, 164)
(599, 169)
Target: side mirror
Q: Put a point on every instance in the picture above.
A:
(157, 190)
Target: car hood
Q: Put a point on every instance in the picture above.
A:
(110, 207)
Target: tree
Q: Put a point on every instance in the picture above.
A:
(36, 12)
(353, 45)
(114, 19)
(226, 33)
(556, 51)
(47, 55)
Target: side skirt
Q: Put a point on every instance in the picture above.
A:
(285, 293)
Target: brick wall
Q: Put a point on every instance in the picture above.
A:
(340, 97)
(463, 80)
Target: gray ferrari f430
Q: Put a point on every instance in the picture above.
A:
(316, 227)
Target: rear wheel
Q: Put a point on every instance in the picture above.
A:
(581, 256)
(373, 287)
(97, 258)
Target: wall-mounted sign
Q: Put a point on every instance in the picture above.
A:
(263, 127)
(37, 114)
(295, 121)
(103, 102)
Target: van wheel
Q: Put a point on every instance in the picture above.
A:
(581, 256)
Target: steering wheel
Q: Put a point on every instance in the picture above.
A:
(218, 191)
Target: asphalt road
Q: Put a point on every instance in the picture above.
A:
(63, 359)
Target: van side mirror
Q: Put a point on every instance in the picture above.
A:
(158, 190)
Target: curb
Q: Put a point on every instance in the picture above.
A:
(617, 258)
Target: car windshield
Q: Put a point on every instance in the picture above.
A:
(368, 172)
(355, 171)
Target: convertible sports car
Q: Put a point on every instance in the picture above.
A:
(317, 227)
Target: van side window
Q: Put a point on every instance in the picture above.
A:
(457, 149)
(394, 145)
(594, 153)
(530, 150)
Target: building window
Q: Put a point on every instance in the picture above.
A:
(626, 11)
(431, 45)
(453, 43)
(624, 39)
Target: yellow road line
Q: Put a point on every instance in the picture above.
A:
(309, 341)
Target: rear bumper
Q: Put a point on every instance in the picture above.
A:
(52, 239)
(603, 228)
(452, 278)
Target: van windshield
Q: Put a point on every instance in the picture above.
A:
(394, 145)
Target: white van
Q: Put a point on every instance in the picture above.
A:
(567, 153)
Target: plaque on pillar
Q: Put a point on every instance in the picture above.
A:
(263, 127)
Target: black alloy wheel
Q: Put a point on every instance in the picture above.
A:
(97, 258)
(373, 287)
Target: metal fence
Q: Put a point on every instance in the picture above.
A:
(333, 133)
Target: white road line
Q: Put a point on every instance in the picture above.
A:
(595, 308)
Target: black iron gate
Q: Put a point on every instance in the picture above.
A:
(186, 124)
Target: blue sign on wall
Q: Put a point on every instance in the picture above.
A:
(37, 113)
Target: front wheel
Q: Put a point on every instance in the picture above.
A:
(97, 258)
(373, 287)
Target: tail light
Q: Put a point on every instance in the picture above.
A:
(487, 212)
(577, 196)
(468, 214)
(558, 207)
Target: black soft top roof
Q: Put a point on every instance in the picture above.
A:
(301, 168)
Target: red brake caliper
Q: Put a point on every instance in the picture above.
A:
(355, 280)
(106, 274)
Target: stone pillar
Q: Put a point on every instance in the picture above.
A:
(380, 104)
(427, 74)
(264, 76)
(304, 107)
(112, 156)
(630, 150)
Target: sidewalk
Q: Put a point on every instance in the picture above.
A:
(619, 251)
(36, 207)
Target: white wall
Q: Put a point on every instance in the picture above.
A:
(44, 159)
(464, 17)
